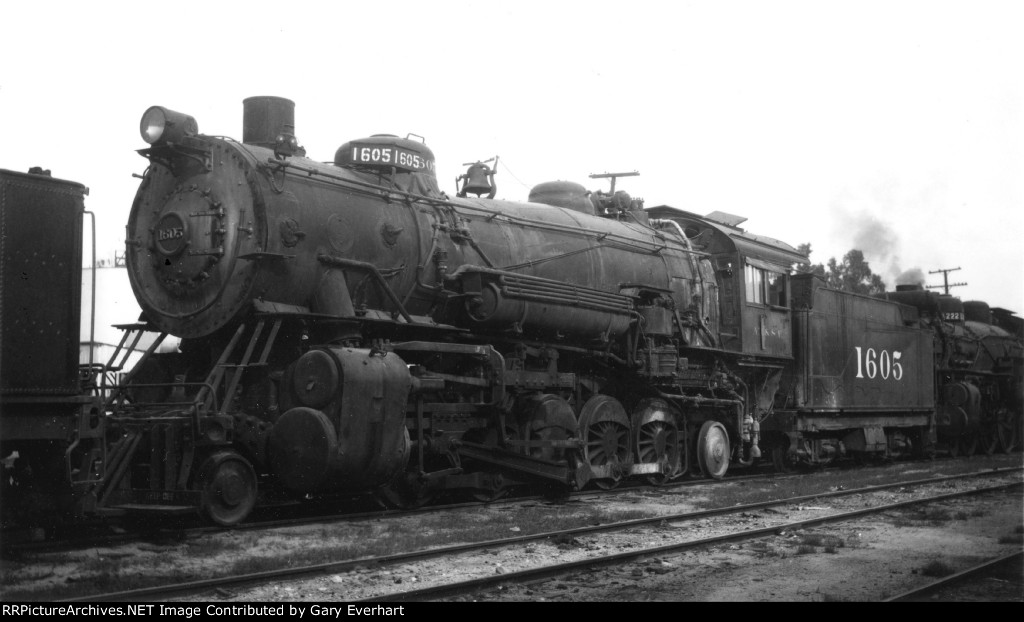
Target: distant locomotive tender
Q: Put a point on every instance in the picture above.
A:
(349, 328)
(979, 356)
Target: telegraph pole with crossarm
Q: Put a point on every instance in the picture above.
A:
(945, 278)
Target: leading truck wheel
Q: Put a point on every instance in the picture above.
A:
(713, 449)
(227, 487)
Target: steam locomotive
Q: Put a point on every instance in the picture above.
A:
(347, 328)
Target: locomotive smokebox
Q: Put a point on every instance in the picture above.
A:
(264, 118)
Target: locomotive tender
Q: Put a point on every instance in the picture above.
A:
(349, 328)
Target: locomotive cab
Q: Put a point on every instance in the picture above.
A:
(753, 279)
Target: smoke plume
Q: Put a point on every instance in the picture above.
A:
(913, 276)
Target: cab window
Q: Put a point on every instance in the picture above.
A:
(765, 287)
(755, 285)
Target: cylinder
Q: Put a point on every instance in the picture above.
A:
(264, 117)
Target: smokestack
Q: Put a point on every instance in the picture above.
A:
(264, 118)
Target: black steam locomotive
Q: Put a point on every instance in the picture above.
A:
(348, 328)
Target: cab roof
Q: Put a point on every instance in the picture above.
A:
(718, 232)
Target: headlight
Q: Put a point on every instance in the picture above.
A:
(160, 125)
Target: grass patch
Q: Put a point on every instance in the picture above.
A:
(27, 574)
(806, 549)
(937, 568)
(820, 539)
(937, 515)
(933, 515)
(249, 553)
(1013, 538)
(214, 547)
(846, 479)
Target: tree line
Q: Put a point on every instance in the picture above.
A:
(852, 274)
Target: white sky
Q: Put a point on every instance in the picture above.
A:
(893, 125)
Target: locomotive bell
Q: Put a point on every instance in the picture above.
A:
(478, 180)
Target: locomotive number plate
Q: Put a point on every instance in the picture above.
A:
(878, 364)
(390, 155)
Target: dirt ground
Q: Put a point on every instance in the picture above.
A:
(866, 559)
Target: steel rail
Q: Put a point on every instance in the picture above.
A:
(543, 572)
(328, 517)
(954, 578)
(340, 566)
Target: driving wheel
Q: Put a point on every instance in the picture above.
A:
(605, 438)
(658, 441)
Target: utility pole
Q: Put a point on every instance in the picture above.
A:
(945, 278)
(613, 176)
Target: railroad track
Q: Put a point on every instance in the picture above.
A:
(169, 531)
(224, 584)
(1010, 563)
(472, 586)
(101, 535)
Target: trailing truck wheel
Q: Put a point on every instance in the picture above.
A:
(227, 486)
(713, 450)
